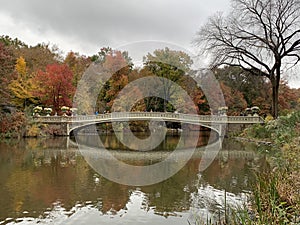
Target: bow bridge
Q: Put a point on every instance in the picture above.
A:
(214, 122)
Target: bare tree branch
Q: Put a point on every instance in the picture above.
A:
(257, 36)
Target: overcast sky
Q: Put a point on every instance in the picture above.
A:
(86, 26)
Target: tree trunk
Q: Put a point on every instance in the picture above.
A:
(275, 80)
(275, 90)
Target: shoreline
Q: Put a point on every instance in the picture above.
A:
(252, 140)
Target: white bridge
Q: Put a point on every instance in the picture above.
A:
(214, 122)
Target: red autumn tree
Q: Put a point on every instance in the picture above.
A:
(55, 86)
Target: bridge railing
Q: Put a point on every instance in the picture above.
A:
(245, 119)
(148, 115)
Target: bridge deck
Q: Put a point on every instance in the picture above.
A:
(121, 116)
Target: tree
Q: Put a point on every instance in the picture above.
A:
(22, 86)
(262, 37)
(55, 86)
(37, 57)
(236, 78)
(234, 99)
(118, 67)
(169, 64)
(287, 97)
(152, 103)
(108, 51)
(78, 64)
(100, 57)
(196, 94)
(122, 102)
(15, 43)
(7, 64)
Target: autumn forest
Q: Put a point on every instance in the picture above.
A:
(41, 75)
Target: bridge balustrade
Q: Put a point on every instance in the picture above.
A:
(148, 115)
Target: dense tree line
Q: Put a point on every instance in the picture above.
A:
(41, 75)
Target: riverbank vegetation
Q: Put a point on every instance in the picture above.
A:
(277, 195)
(275, 199)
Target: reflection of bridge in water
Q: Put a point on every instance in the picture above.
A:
(216, 123)
(131, 155)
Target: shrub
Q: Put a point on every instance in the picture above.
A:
(33, 131)
(12, 125)
(257, 131)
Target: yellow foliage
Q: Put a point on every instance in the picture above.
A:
(21, 66)
(269, 118)
(33, 131)
(23, 86)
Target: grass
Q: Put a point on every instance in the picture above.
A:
(276, 196)
(267, 207)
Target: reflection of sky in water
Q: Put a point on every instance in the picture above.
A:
(206, 202)
(209, 203)
(33, 177)
(136, 211)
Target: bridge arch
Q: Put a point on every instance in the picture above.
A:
(74, 127)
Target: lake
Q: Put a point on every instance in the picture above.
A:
(53, 181)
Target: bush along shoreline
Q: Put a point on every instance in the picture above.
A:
(16, 124)
(275, 199)
(12, 125)
(276, 196)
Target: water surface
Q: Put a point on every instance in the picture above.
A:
(48, 181)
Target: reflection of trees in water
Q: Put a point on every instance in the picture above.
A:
(232, 145)
(34, 183)
(233, 175)
(34, 178)
(110, 141)
(173, 194)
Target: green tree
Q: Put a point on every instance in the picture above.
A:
(14, 43)
(169, 64)
(101, 55)
(250, 86)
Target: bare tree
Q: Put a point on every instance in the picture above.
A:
(261, 36)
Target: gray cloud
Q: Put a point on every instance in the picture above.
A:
(96, 23)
